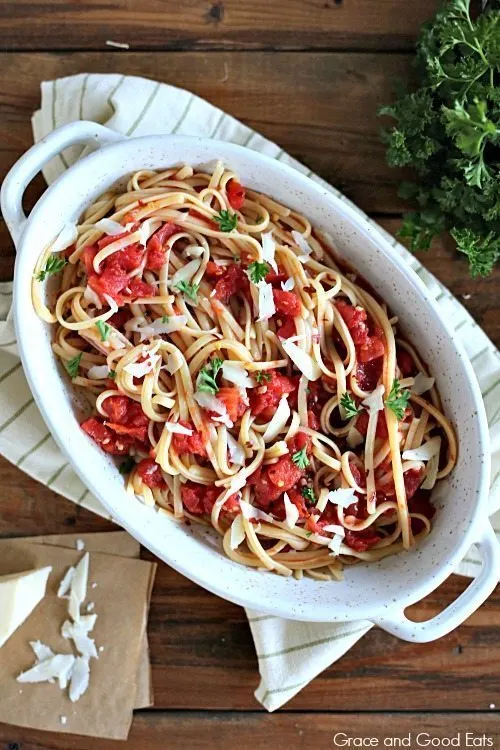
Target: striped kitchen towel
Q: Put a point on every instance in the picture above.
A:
(290, 653)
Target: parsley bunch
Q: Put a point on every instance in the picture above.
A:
(448, 130)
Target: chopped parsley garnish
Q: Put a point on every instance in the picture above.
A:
(189, 290)
(127, 465)
(349, 406)
(309, 533)
(397, 400)
(262, 377)
(308, 494)
(103, 329)
(165, 319)
(226, 221)
(53, 265)
(111, 374)
(72, 365)
(205, 381)
(257, 271)
(300, 459)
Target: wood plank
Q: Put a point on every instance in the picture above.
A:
(220, 24)
(218, 731)
(198, 640)
(329, 122)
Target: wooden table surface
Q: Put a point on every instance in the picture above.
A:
(309, 74)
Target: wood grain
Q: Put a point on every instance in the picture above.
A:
(199, 641)
(283, 731)
(220, 24)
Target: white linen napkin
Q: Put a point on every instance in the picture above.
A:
(290, 653)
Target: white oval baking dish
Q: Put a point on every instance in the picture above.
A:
(379, 592)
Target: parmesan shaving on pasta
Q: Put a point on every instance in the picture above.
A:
(422, 383)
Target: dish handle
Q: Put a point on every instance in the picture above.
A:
(75, 133)
(454, 615)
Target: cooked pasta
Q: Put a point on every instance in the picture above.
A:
(251, 382)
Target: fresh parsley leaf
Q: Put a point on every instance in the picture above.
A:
(189, 290)
(308, 494)
(261, 376)
(165, 319)
(300, 458)
(308, 533)
(72, 365)
(111, 374)
(349, 405)
(397, 400)
(103, 329)
(127, 465)
(205, 381)
(226, 221)
(53, 265)
(257, 271)
(448, 130)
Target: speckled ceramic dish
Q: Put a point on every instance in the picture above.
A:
(379, 592)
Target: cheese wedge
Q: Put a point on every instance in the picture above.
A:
(19, 595)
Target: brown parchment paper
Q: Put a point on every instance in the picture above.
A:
(121, 601)
(112, 543)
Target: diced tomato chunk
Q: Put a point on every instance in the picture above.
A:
(368, 374)
(214, 270)
(278, 507)
(372, 349)
(119, 319)
(200, 498)
(266, 492)
(150, 473)
(360, 541)
(286, 303)
(112, 281)
(420, 504)
(155, 248)
(287, 328)
(405, 362)
(235, 194)
(126, 417)
(116, 408)
(284, 474)
(139, 288)
(88, 256)
(412, 481)
(194, 443)
(233, 402)
(232, 282)
(276, 278)
(108, 441)
(265, 403)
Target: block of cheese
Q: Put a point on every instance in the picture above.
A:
(19, 595)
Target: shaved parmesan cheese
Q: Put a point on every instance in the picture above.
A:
(237, 482)
(291, 511)
(236, 373)
(236, 452)
(298, 337)
(209, 402)
(421, 384)
(301, 242)
(41, 651)
(237, 535)
(74, 606)
(249, 512)
(268, 250)
(65, 583)
(48, 669)
(139, 369)
(266, 301)
(342, 497)
(87, 622)
(174, 363)
(431, 476)
(98, 372)
(148, 228)
(80, 579)
(334, 528)
(84, 645)
(375, 400)
(303, 258)
(354, 437)
(336, 544)
(79, 678)
(19, 595)
(185, 273)
(425, 452)
(92, 298)
(302, 360)
(178, 429)
(110, 227)
(278, 421)
(194, 251)
(288, 285)
(66, 237)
